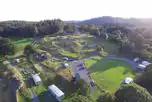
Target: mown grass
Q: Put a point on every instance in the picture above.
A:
(22, 98)
(69, 54)
(108, 74)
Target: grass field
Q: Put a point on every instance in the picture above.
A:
(108, 46)
(69, 54)
(108, 74)
(22, 98)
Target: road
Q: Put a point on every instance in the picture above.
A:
(35, 98)
(132, 63)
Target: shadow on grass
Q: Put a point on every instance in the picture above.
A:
(106, 64)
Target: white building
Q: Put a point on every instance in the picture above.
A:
(128, 80)
(56, 92)
(37, 79)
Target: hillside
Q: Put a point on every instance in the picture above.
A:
(117, 20)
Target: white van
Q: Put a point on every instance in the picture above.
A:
(56, 92)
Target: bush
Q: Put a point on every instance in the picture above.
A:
(103, 53)
(106, 97)
(132, 93)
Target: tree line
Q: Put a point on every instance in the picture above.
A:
(30, 29)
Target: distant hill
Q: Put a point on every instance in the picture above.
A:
(116, 20)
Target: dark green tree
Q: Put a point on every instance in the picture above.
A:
(106, 97)
(29, 50)
(6, 47)
(145, 79)
(77, 98)
(132, 93)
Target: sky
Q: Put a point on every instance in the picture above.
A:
(35, 10)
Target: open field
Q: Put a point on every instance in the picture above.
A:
(108, 74)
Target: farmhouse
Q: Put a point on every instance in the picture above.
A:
(56, 92)
(37, 79)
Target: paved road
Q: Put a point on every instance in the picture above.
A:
(132, 63)
(113, 57)
(34, 96)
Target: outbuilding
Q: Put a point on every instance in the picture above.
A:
(56, 92)
(128, 80)
(37, 79)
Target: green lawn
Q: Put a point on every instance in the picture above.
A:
(108, 46)
(108, 74)
(69, 54)
(22, 98)
(41, 92)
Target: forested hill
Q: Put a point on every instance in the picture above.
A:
(118, 20)
(56, 26)
(30, 29)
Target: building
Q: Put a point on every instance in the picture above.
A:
(37, 79)
(128, 80)
(56, 92)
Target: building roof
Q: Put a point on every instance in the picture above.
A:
(56, 90)
(36, 78)
(128, 80)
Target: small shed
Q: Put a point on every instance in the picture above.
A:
(146, 63)
(37, 79)
(128, 80)
(141, 66)
(56, 92)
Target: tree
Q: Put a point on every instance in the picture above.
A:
(6, 47)
(106, 97)
(132, 93)
(83, 88)
(29, 50)
(99, 48)
(69, 28)
(145, 79)
(77, 98)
